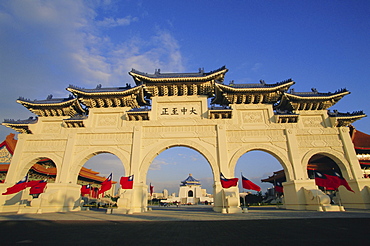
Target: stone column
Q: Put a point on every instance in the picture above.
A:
(294, 197)
(360, 198)
(220, 194)
(131, 201)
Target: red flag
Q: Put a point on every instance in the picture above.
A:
(279, 187)
(85, 189)
(21, 185)
(330, 182)
(321, 179)
(249, 185)
(127, 182)
(339, 180)
(106, 185)
(32, 183)
(151, 188)
(95, 193)
(38, 188)
(227, 183)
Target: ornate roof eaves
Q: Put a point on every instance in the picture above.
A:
(318, 96)
(227, 88)
(79, 92)
(21, 128)
(346, 119)
(36, 106)
(38, 103)
(140, 77)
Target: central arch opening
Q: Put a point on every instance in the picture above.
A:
(180, 175)
(258, 166)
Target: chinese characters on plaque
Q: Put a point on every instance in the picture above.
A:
(179, 111)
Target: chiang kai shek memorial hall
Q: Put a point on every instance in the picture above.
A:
(194, 110)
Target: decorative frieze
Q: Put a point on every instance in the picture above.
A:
(256, 136)
(44, 145)
(184, 130)
(97, 138)
(319, 141)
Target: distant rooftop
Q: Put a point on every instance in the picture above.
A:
(190, 181)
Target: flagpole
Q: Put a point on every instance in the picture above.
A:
(245, 203)
(132, 198)
(339, 200)
(317, 195)
(223, 201)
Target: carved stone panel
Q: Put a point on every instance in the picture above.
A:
(313, 121)
(51, 127)
(107, 120)
(253, 117)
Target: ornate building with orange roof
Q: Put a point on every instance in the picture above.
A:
(361, 142)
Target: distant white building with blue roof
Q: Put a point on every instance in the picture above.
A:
(191, 192)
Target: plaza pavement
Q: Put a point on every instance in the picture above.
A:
(188, 225)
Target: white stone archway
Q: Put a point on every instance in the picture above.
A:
(167, 110)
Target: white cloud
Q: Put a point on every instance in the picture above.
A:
(158, 163)
(257, 66)
(114, 22)
(159, 51)
(45, 45)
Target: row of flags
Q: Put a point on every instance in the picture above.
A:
(246, 183)
(125, 182)
(37, 186)
(330, 181)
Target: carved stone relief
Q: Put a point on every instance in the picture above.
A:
(314, 121)
(107, 121)
(51, 128)
(252, 117)
(45, 145)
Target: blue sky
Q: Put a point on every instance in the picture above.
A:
(47, 45)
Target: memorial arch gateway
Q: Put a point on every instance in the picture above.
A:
(165, 110)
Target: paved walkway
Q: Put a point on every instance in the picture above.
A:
(188, 225)
(188, 213)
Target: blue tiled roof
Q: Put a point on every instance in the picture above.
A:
(262, 84)
(158, 74)
(48, 100)
(99, 88)
(315, 93)
(190, 181)
(30, 120)
(347, 114)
